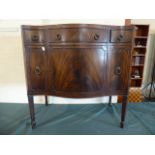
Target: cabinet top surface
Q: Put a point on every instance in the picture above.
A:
(77, 26)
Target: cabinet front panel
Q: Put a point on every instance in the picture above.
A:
(37, 69)
(119, 59)
(81, 60)
(77, 69)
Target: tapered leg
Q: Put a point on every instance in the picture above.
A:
(31, 106)
(124, 106)
(46, 101)
(110, 97)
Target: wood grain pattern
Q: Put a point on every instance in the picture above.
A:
(78, 70)
(77, 61)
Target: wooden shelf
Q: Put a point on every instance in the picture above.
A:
(136, 78)
(140, 65)
(139, 46)
(141, 37)
(139, 52)
(135, 86)
(139, 55)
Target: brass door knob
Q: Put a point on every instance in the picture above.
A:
(37, 70)
(118, 70)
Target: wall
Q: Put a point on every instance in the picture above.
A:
(12, 78)
(150, 56)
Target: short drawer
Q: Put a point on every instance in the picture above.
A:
(78, 35)
(121, 36)
(34, 36)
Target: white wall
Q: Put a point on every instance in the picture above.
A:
(12, 78)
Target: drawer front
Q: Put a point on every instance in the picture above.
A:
(78, 35)
(34, 36)
(121, 36)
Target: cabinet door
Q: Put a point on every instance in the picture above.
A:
(77, 69)
(119, 58)
(37, 68)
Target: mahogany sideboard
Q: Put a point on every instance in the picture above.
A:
(77, 61)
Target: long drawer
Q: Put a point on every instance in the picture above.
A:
(78, 35)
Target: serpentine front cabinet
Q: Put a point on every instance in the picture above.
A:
(77, 61)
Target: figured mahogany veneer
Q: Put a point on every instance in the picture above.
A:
(77, 61)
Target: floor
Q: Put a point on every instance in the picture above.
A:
(77, 119)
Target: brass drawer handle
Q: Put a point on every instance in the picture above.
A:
(96, 37)
(118, 70)
(59, 37)
(120, 37)
(35, 38)
(37, 70)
